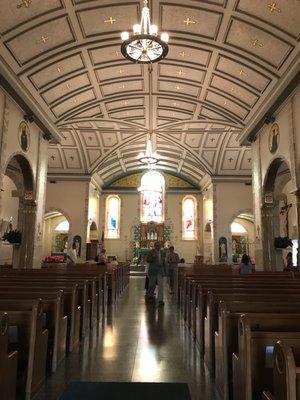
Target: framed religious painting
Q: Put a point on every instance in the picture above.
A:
(274, 137)
(24, 136)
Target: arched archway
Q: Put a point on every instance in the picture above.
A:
(241, 231)
(18, 174)
(57, 229)
(278, 213)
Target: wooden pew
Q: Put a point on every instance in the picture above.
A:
(55, 321)
(211, 318)
(71, 307)
(253, 365)
(96, 283)
(286, 373)
(80, 272)
(86, 293)
(8, 363)
(31, 344)
(226, 338)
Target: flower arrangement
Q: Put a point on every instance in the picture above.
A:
(13, 236)
(54, 259)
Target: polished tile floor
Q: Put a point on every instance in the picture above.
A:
(137, 343)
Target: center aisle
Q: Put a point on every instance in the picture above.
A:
(139, 343)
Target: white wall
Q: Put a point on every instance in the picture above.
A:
(229, 201)
(93, 213)
(10, 207)
(37, 156)
(288, 120)
(71, 198)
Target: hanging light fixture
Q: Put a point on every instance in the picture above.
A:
(145, 45)
(149, 157)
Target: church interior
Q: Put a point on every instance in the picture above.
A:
(129, 128)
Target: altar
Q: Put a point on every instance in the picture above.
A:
(151, 233)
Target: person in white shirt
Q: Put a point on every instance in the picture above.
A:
(72, 255)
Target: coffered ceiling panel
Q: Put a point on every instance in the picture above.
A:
(200, 22)
(177, 87)
(282, 15)
(183, 72)
(226, 58)
(66, 88)
(15, 13)
(117, 72)
(189, 55)
(57, 71)
(98, 20)
(262, 44)
(40, 39)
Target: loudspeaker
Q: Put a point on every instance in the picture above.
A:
(29, 118)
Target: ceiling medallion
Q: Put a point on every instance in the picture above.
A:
(44, 39)
(145, 46)
(110, 20)
(189, 21)
(24, 3)
(149, 157)
(256, 43)
(273, 7)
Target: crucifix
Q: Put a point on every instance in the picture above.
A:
(285, 211)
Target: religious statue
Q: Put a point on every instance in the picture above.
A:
(223, 256)
(77, 242)
(284, 212)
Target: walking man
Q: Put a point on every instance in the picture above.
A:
(156, 272)
(172, 261)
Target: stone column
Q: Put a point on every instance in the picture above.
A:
(269, 256)
(23, 255)
(297, 194)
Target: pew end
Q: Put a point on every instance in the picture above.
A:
(8, 363)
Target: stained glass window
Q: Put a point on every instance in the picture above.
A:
(152, 197)
(189, 215)
(113, 217)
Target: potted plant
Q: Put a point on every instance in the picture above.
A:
(12, 237)
(282, 242)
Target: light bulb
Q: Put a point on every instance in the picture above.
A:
(153, 30)
(164, 37)
(124, 35)
(137, 29)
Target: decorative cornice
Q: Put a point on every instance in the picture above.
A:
(69, 177)
(15, 88)
(284, 89)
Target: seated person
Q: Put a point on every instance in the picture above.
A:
(245, 265)
(114, 262)
(102, 258)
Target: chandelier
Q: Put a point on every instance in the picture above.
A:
(149, 157)
(145, 45)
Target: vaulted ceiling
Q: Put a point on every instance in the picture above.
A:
(226, 59)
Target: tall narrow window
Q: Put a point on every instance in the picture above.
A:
(112, 221)
(152, 197)
(189, 215)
